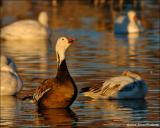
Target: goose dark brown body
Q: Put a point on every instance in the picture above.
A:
(62, 90)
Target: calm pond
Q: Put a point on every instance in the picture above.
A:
(98, 54)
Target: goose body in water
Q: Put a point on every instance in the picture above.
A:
(61, 91)
(11, 83)
(128, 24)
(127, 86)
(27, 29)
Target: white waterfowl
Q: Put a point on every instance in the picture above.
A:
(11, 83)
(128, 24)
(127, 86)
(27, 29)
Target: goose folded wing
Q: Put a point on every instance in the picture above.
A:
(116, 84)
(45, 87)
(95, 88)
(113, 87)
(110, 89)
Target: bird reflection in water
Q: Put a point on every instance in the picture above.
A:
(137, 108)
(24, 50)
(116, 112)
(132, 41)
(9, 107)
(26, 47)
(132, 44)
(59, 117)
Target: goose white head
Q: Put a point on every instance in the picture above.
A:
(7, 68)
(43, 18)
(132, 15)
(61, 46)
(6, 62)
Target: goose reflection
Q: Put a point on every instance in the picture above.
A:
(121, 110)
(132, 40)
(26, 50)
(137, 108)
(59, 117)
(9, 107)
(26, 47)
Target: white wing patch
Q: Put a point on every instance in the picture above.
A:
(113, 85)
(39, 94)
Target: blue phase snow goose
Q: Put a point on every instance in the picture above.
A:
(61, 91)
(27, 29)
(127, 86)
(128, 24)
(11, 83)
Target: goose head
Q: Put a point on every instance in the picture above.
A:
(7, 68)
(6, 62)
(43, 18)
(5, 65)
(132, 16)
(61, 46)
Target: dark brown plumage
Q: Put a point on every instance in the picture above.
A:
(62, 90)
(64, 118)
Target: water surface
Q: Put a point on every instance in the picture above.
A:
(98, 54)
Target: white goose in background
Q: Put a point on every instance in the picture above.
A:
(127, 86)
(128, 24)
(10, 81)
(27, 29)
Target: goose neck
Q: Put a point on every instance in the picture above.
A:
(62, 71)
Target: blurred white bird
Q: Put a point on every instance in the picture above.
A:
(27, 29)
(10, 81)
(128, 24)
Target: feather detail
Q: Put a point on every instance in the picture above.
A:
(127, 86)
(39, 94)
